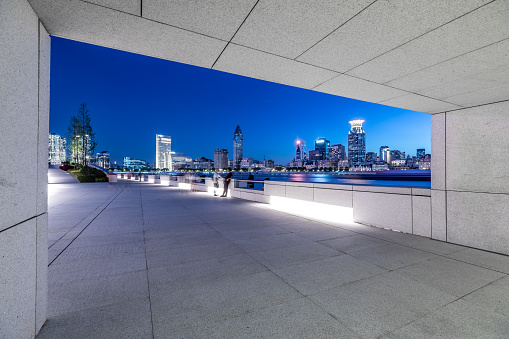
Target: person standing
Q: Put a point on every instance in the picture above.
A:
(215, 179)
(227, 180)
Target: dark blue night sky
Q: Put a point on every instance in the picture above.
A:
(132, 98)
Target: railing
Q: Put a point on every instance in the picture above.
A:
(249, 184)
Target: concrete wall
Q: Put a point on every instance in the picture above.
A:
(24, 120)
(470, 187)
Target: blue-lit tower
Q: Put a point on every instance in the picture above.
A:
(356, 143)
(238, 147)
(322, 145)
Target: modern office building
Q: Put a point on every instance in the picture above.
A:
(337, 152)
(220, 158)
(163, 152)
(370, 158)
(135, 164)
(301, 152)
(322, 145)
(238, 147)
(421, 152)
(315, 155)
(356, 143)
(384, 154)
(246, 163)
(102, 159)
(57, 149)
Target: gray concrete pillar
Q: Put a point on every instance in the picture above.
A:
(24, 119)
(470, 177)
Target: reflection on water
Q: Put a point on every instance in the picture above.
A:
(334, 179)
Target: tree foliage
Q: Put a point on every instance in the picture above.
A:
(81, 137)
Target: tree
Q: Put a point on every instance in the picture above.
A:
(81, 137)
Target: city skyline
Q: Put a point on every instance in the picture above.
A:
(199, 108)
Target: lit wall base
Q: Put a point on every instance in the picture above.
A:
(314, 210)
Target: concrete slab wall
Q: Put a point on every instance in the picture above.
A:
(24, 121)
(471, 193)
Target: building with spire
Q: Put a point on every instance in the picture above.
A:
(238, 147)
(356, 143)
(301, 153)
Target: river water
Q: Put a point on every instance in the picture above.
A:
(415, 179)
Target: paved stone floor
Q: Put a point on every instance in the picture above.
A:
(138, 260)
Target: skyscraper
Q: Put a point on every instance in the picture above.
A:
(57, 149)
(163, 152)
(238, 147)
(220, 158)
(384, 154)
(337, 152)
(322, 145)
(421, 152)
(301, 152)
(356, 143)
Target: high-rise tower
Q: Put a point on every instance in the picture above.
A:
(163, 152)
(238, 147)
(301, 152)
(322, 145)
(356, 143)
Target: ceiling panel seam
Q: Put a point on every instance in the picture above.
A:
(417, 37)
(283, 57)
(444, 61)
(344, 23)
(424, 96)
(152, 20)
(465, 107)
(238, 28)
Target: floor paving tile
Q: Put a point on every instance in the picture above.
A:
(459, 319)
(381, 304)
(484, 259)
(315, 276)
(391, 256)
(494, 296)
(296, 319)
(129, 319)
(451, 276)
(288, 256)
(185, 310)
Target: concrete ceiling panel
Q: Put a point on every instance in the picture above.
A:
(289, 27)
(478, 29)
(484, 96)
(359, 89)
(443, 80)
(260, 65)
(215, 18)
(420, 103)
(383, 26)
(81, 21)
(128, 6)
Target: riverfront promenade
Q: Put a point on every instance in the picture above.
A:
(139, 260)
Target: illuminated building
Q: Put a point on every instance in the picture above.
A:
(163, 152)
(384, 154)
(421, 152)
(356, 143)
(370, 158)
(103, 159)
(135, 164)
(301, 152)
(322, 145)
(57, 149)
(238, 147)
(315, 155)
(246, 163)
(337, 152)
(220, 158)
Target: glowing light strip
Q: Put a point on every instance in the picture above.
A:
(314, 210)
(184, 186)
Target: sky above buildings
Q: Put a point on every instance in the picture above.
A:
(132, 98)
